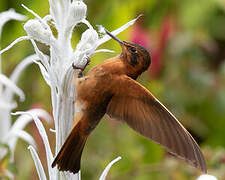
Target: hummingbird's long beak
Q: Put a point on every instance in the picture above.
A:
(114, 37)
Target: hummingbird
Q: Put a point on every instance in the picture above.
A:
(111, 88)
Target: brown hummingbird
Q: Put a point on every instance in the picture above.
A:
(110, 88)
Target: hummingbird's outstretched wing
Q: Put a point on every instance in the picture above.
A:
(135, 105)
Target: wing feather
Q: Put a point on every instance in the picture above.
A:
(135, 105)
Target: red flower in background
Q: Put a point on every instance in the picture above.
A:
(141, 36)
(154, 42)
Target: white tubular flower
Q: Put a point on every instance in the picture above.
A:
(10, 15)
(105, 172)
(9, 133)
(8, 89)
(16, 130)
(38, 32)
(10, 85)
(29, 115)
(85, 47)
(88, 40)
(4, 18)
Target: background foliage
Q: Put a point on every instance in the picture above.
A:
(186, 40)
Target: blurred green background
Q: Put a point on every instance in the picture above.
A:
(186, 40)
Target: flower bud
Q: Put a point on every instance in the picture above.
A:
(78, 11)
(37, 31)
(88, 40)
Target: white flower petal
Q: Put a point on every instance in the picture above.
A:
(52, 130)
(87, 23)
(14, 135)
(65, 109)
(103, 50)
(37, 162)
(44, 137)
(117, 31)
(10, 15)
(44, 58)
(18, 70)
(20, 123)
(48, 18)
(67, 86)
(21, 66)
(44, 72)
(105, 172)
(22, 38)
(37, 16)
(23, 120)
(55, 11)
(9, 84)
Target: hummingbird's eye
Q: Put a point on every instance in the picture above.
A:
(132, 49)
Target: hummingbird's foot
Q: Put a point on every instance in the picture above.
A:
(87, 62)
(76, 67)
(81, 68)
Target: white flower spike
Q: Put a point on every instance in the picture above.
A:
(37, 162)
(10, 15)
(105, 172)
(8, 89)
(56, 68)
(44, 136)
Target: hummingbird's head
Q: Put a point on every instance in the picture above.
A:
(136, 56)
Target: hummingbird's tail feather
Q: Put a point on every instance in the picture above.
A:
(69, 156)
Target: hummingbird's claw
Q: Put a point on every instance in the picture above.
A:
(81, 68)
(88, 61)
(76, 67)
